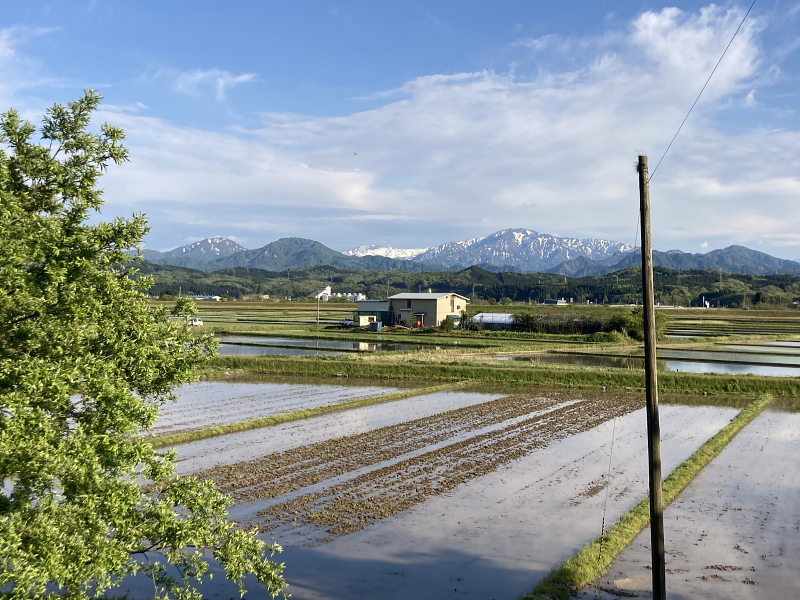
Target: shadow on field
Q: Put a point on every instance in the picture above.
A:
(317, 574)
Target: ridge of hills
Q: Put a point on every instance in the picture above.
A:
(733, 259)
(508, 250)
(687, 288)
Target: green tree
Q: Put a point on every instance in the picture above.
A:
(447, 324)
(184, 307)
(84, 366)
(631, 323)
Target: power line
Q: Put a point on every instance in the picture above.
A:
(702, 90)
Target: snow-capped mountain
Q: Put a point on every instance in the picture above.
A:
(206, 250)
(524, 249)
(388, 252)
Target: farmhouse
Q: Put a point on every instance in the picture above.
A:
(425, 309)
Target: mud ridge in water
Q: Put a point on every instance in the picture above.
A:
(352, 505)
(284, 472)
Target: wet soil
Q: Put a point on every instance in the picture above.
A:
(257, 443)
(212, 403)
(734, 532)
(487, 528)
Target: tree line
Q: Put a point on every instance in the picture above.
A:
(680, 288)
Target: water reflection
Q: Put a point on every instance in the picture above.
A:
(236, 350)
(684, 366)
(319, 343)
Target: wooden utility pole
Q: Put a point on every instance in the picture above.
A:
(317, 309)
(651, 379)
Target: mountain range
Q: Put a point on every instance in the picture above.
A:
(524, 249)
(514, 250)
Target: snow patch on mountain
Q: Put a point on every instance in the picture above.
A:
(207, 249)
(387, 251)
(525, 249)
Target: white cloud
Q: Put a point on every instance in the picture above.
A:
(704, 245)
(484, 150)
(19, 73)
(198, 81)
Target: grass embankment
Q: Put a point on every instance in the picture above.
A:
(182, 437)
(589, 564)
(545, 374)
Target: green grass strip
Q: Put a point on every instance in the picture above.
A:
(539, 374)
(583, 568)
(305, 413)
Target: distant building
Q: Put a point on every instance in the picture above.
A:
(351, 296)
(493, 321)
(425, 309)
(254, 297)
(322, 293)
(377, 309)
(559, 302)
(207, 298)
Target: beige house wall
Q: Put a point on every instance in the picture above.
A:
(435, 310)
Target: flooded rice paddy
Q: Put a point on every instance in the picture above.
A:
(264, 350)
(306, 346)
(734, 532)
(455, 494)
(212, 403)
(775, 359)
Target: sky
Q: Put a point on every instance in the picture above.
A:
(411, 124)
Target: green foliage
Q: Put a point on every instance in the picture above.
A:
(671, 287)
(184, 307)
(84, 366)
(447, 324)
(632, 323)
(531, 373)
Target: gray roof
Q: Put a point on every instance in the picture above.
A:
(425, 296)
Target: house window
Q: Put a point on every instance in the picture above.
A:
(458, 307)
(408, 303)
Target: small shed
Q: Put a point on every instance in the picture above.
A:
(378, 309)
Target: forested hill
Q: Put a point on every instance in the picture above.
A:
(733, 259)
(687, 288)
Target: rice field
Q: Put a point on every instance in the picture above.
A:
(427, 465)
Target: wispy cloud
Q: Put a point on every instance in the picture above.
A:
(492, 150)
(18, 71)
(473, 152)
(198, 81)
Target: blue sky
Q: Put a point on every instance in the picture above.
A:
(411, 124)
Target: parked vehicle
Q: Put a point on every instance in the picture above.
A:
(195, 322)
(347, 323)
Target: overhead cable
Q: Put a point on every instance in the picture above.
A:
(701, 91)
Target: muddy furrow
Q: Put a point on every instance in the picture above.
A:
(283, 472)
(354, 504)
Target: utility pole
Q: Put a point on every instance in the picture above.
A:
(317, 309)
(651, 379)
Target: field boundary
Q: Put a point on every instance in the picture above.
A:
(588, 564)
(584, 377)
(169, 439)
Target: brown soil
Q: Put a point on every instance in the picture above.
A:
(351, 505)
